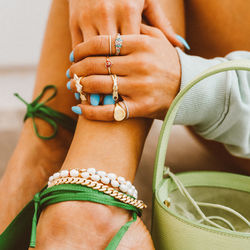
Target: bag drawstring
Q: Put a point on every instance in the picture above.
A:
(197, 205)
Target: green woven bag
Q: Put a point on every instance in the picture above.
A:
(203, 210)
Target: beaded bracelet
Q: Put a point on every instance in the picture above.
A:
(106, 178)
(100, 187)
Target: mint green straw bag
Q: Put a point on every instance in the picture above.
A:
(202, 210)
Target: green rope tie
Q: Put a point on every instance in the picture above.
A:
(51, 116)
(76, 192)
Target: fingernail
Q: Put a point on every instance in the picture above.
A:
(68, 85)
(71, 56)
(95, 99)
(77, 96)
(183, 41)
(76, 110)
(68, 74)
(108, 99)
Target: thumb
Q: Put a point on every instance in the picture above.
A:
(155, 17)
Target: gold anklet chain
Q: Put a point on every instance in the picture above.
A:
(100, 187)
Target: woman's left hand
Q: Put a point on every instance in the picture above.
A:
(147, 69)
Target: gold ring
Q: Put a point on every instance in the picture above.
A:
(108, 65)
(115, 88)
(126, 107)
(119, 113)
(110, 45)
(79, 87)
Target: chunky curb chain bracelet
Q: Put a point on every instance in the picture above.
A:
(100, 187)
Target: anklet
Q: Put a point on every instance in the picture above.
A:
(99, 176)
(100, 187)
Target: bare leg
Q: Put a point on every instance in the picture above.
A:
(27, 172)
(112, 147)
(215, 28)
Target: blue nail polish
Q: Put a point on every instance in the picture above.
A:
(183, 41)
(71, 56)
(68, 85)
(68, 74)
(77, 96)
(76, 110)
(94, 99)
(108, 99)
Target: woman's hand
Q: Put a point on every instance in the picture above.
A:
(90, 18)
(148, 72)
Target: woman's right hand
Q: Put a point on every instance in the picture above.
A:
(90, 18)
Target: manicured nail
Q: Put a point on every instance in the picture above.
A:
(76, 110)
(183, 41)
(68, 85)
(71, 56)
(95, 99)
(108, 99)
(77, 96)
(68, 74)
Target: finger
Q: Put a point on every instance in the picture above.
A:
(130, 24)
(97, 113)
(151, 31)
(131, 27)
(101, 113)
(106, 112)
(107, 28)
(88, 32)
(105, 19)
(120, 65)
(75, 31)
(156, 17)
(99, 46)
(129, 16)
(76, 37)
(103, 84)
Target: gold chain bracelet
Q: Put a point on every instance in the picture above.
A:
(100, 187)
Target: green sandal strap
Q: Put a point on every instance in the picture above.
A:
(113, 244)
(70, 192)
(51, 116)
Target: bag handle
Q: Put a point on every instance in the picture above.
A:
(170, 116)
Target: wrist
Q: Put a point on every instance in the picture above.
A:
(175, 77)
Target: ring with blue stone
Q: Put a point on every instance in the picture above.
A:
(118, 44)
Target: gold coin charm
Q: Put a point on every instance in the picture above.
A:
(119, 113)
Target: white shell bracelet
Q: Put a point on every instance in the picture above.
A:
(101, 176)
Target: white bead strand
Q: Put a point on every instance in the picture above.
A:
(105, 178)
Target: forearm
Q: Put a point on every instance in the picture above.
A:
(218, 107)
